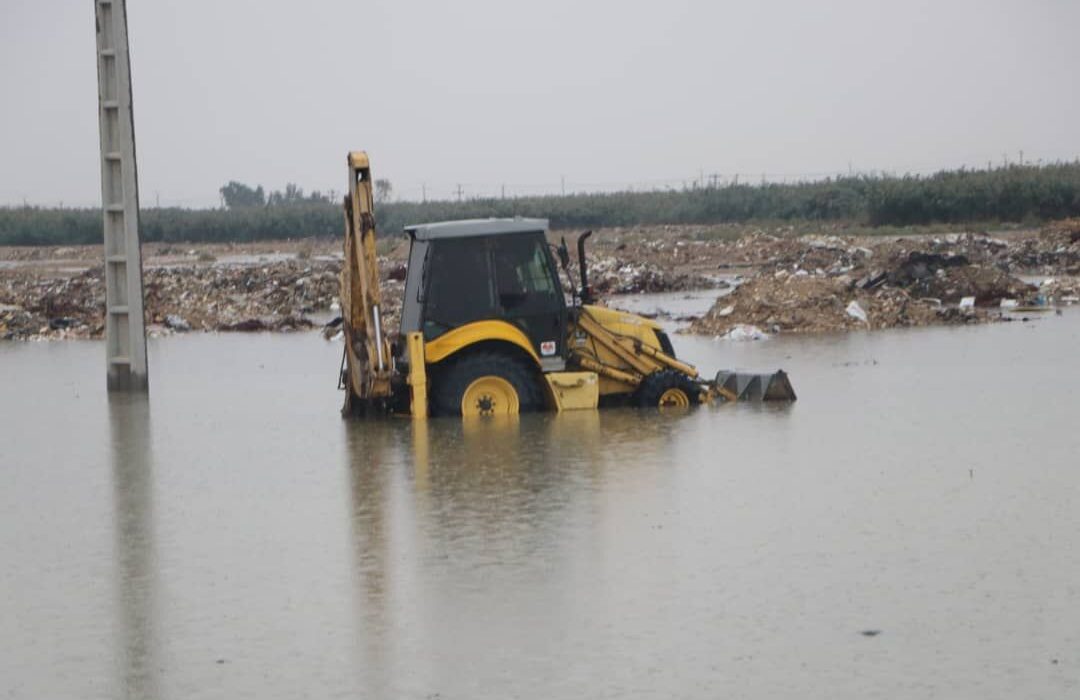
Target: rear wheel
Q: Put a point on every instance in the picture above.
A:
(486, 383)
(668, 389)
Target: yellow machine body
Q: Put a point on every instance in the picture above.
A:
(573, 391)
(491, 366)
(476, 332)
(604, 338)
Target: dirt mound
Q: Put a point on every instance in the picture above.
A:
(808, 304)
(815, 283)
(949, 278)
(800, 282)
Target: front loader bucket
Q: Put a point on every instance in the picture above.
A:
(755, 386)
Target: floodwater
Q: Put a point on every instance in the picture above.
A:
(908, 529)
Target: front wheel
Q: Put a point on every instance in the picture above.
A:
(668, 389)
(486, 384)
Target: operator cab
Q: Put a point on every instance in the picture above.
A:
(486, 269)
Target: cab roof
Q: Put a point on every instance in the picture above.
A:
(475, 227)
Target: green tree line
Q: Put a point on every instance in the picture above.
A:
(1009, 194)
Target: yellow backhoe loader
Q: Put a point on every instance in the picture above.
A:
(487, 329)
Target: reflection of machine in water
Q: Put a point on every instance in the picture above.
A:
(135, 550)
(455, 518)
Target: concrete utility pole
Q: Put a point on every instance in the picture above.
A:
(125, 332)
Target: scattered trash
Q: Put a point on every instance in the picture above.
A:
(278, 296)
(783, 282)
(177, 323)
(913, 281)
(855, 311)
(610, 275)
(745, 332)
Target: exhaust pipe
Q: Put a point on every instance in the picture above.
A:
(586, 293)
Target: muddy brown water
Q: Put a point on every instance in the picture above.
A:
(233, 537)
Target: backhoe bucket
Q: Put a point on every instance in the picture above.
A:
(755, 386)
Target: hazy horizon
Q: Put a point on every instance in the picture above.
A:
(535, 98)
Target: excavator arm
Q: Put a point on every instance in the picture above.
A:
(367, 363)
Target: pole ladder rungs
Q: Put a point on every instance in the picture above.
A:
(125, 333)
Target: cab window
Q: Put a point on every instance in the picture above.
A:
(524, 278)
(458, 288)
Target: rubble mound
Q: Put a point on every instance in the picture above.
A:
(809, 304)
(612, 275)
(1056, 250)
(949, 278)
(240, 298)
(276, 297)
(816, 284)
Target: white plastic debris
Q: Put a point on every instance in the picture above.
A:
(857, 312)
(967, 303)
(177, 323)
(726, 311)
(1009, 303)
(745, 331)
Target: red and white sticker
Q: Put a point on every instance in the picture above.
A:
(547, 348)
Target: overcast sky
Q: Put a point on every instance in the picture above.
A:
(486, 93)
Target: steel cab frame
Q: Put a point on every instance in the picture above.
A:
(460, 272)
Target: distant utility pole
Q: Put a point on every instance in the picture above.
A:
(125, 333)
(1021, 156)
(459, 192)
(423, 192)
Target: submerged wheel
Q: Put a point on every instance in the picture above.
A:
(486, 383)
(490, 396)
(668, 389)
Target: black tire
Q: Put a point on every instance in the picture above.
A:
(456, 374)
(653, 387)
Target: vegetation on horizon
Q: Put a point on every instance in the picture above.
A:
(1015, 193)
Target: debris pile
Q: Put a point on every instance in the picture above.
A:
(790, 282)
(238, 298)
(815, 284)
(65, 307)
(615, 275)
(808, 304)
(1056, 250)
(1060, 290)
(830, 281)
(278, 297)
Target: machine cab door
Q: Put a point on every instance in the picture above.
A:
(528, 293)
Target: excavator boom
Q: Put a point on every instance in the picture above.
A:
(367, 362)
